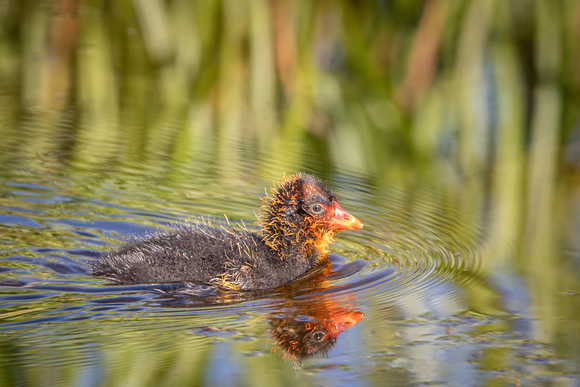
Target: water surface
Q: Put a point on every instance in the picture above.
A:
(433, 290)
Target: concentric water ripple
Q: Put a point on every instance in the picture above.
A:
(413, 247)
(412, 250)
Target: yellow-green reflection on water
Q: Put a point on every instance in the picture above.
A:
(434, 281)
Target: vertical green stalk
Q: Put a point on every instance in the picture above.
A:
(508, 163)
(262, 77)
(34, 46)
(543, 157)
(473, 122)
(97, 89)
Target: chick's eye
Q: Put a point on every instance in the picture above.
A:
(318, 336)
(316, 208)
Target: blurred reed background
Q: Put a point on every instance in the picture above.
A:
(471, 92)
(481, 96)
(461, 83)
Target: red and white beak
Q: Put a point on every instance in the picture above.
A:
(343, 220)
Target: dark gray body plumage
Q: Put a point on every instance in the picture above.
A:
(200, 254)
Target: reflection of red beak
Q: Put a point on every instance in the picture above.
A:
(344, 320)
(343, 220)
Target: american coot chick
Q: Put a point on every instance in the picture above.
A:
(298, 222)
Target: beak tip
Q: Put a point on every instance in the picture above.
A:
(356, 224)
(345, 221)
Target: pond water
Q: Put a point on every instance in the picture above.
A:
(434, 289)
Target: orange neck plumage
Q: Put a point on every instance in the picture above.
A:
(286, 233)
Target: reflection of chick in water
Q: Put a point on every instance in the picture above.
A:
(310, 326)
(307, 322)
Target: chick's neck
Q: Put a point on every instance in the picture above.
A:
(306, 239)
(290, 232)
